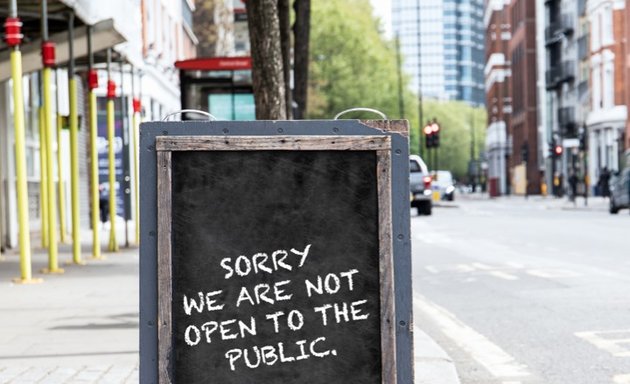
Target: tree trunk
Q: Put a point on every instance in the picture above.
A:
(267, 66)
(285, 44)
(301, 32)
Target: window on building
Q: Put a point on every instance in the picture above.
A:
(608, 94)
(595, 37)
(607, 26)
(596, 88)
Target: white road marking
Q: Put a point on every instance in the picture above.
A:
(482, 266)
(552, 274)
(503, 275)
(464, 268)
(498, 362)
(621, 379)
(610, 345)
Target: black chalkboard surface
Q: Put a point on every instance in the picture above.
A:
(276, 263)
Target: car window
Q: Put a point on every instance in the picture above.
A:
(414, 166)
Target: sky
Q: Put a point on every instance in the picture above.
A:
(383, 10)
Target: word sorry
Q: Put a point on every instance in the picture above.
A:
(262, 262)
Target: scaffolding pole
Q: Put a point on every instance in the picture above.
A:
(48, 59)
(92, 85)
(111, 95)
(13, 36)
(74, 147)
(60, 186)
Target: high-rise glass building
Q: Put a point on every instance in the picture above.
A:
(452, 53)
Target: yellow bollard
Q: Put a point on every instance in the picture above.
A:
(113, 243)
(96, 239)
(43, 179)
(60, 185)
(20, 163)
(53, 263)
(74, 171)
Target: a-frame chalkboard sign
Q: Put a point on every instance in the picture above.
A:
(275, 252)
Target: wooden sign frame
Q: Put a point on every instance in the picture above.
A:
(382, 145)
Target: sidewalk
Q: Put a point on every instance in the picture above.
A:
(82, 326)
(79, 327)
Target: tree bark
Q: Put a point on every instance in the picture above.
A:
(267, 65)
(285, 45)
(301, 33)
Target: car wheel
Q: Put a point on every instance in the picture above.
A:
(613, 208)
(426, 209)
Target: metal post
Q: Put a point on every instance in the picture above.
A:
(74, 147)
(13, 37)
(95, 211)
(43, 172)
(60, 185)
(48, 57)
(473, 175)
(125, 187)
(401, 96)
(136, 173)
(111, 94)
(420, 117)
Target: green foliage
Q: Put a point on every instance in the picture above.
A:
(352, 65)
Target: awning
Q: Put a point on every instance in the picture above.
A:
(104, 35)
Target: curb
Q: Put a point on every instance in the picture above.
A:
(432, 365)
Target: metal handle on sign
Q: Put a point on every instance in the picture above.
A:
(209, 116)
(381, 114)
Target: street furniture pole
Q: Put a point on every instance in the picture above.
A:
(74, 148)
(125, 147)
(43, 179)
(13, 38)
(60, 186)
(92, 85)
(111, 95)
(137, 109)
(48, 60)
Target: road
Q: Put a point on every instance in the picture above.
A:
(525, 291)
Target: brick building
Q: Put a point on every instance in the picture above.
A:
(606, 121)
(524, 123)
(498, 96)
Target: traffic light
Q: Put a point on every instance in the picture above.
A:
(435, 132)
(557, 150)
(428, 136)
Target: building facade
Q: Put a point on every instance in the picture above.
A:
(562, 82)
(524, 123)
(443, 41)
(498, 96)
(607, 118)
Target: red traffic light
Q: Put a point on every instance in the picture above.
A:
(428, 130)
(435, 127)
(558, 150)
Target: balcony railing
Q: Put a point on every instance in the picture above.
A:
(558, 29)
(565, 72)
(567, 122)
